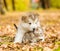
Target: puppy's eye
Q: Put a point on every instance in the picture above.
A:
(29, 23)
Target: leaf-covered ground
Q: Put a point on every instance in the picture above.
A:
(50, 21)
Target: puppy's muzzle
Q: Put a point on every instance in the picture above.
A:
(33, 29)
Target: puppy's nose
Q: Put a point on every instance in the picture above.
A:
(33, 29)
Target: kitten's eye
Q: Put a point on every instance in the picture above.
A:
(29, 23)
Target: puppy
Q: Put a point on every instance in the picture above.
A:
(29, 23)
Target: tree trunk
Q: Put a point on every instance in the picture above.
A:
(1, 7)
(5, 4)
(44, 3)
(47, 3)
(13, 4)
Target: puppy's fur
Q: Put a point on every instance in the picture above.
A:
(29, 23)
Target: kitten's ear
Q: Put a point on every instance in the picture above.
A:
(24, 18)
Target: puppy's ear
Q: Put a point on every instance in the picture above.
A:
(36, 14)
(24, 18)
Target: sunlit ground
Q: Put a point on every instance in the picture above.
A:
(50, 21)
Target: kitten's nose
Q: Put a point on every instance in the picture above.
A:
(33, 29)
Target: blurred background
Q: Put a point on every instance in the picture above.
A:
(25, 5)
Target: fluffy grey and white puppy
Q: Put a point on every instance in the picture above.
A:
(29, 23)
